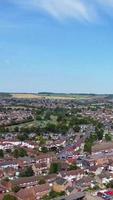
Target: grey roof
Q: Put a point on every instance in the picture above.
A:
(5, 163)
(60, 181)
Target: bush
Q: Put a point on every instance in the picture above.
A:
(9, 197)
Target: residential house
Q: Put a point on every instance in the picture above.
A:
(46, 159)
(60, 185)
(73, 174)
(40, 168)
(22, 182)
(33, 193)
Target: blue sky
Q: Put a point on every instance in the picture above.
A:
(56, 45)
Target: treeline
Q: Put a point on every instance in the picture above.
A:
(5, 95)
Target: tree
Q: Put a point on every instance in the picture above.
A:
(54, 168)
(76, 128)
(21, 152)
(5, 180)
(93, 138)
(54, 194)
(47, 115)
(108, 137)
(27, 172)
(9, 197)
(1, 153)
(24, 136)
(8, 151)
(51, 128)
(62, 128)
(59, 118)
(44, 149)
(3, 130)
(16, 129)
(99, 133)
(41, 140)
(99, 125)
(110, 184)
(16, 153)
(38, 117)
(88, 147)
(41, 181)
(72, 167)
(16, 188)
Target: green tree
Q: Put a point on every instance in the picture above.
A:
(47, 115)
(72, 167)
(16, 153)
(38, 117)
(41, 140)
(3, 130)
(16, 129)
(62, 128)
(61, 117)
(54, 168)
(9, 197)
(88, 147)
(5, 180)
(1, 153)
(21, 152)
(99, 133)
(41, 181)
(16, 188)
(23, 137)
(51, 128)
(110, 184)
(108, 137)
(27, 172)
(93, 138)
(99, 125)
(76, 128)
(53, 195)
(44, 149)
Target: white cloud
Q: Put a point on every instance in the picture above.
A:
(63, 9)
(85, 10)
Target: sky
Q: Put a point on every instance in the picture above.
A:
(56, 46)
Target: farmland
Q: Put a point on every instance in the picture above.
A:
(61, 96)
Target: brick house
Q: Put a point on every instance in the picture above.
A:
(33, 193)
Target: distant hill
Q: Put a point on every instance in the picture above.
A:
(5, 95)
(77, 96)
(65, 94)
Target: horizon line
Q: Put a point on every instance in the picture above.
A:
(65, 93)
